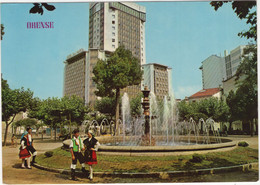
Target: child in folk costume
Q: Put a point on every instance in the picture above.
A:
(24, 153)
(76, 146)
(91, 144)
(30, 147)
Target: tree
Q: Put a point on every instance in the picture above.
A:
(107, 105)
(243, 102)
(120, 70)
(136, 106)
(74, 109)
(2, 31)
(244, 10)
(13, 102)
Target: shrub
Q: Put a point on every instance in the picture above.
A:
(196, 158)
(48, 153)
(243, 144)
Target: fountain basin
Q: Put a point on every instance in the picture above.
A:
(155, 150)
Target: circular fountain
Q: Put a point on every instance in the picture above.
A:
(156, 132)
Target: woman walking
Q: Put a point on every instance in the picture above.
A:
(24, 154)
(91, 146)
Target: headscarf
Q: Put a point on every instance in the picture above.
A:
(25, 132)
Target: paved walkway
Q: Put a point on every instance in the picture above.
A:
(13, 174)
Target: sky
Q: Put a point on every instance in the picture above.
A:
(178, 34)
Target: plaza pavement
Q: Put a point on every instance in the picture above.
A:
(13, 174)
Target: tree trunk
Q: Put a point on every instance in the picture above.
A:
(117, 110)
(6, 130)
(251, 128)
(55, 133)
(256, 126)
(51, 132)
(70, 124)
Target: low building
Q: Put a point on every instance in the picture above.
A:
(205, 94)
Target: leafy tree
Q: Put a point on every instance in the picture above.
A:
(244, 10)
(136, 106)
(120, 70)
(2, 31)
(107, 105)
(74, 109)
(13, 102)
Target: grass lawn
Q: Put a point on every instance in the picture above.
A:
(62, 159)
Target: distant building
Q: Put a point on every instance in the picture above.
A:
(78, 74)
(158, 79)
(213, 72)
(205, 94)
(233, 60)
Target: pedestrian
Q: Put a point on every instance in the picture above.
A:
(91, 145)
(24, 153)
(13, 141)
(30, 146)
(76, 147)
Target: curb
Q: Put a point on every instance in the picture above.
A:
(163, 175)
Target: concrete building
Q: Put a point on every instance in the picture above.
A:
(78, 74)
(114, 24)
(213, 72)
(117, 23)
(158, 78)
(233, 60)
(204, 94)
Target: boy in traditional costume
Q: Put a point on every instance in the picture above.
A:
(76, 146)
(91, 145)
(24, 153)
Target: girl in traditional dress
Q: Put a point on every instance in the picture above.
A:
(91, 146)
(24, 153)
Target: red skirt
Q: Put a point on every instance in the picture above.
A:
(24, 154)
(93, 159)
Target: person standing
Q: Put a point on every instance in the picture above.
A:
(30, 147)
(76, 146)
(24, 153)
(91, 145)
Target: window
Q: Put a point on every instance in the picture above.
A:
(113, 22)
(113, 16)
(113, 34)
(113, 27)
(113, 46)
(113, 40)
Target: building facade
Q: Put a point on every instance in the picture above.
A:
(233, 60)
(115, 24)
(213, 72)
(78, 74)
(158, 79)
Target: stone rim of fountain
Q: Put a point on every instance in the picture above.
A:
(158, 150)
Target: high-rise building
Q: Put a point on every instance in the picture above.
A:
(78, 73)
(117, 24)
(213, 72)
(233, 60)
(158, 79)
(111, 25)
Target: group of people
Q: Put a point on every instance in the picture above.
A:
(89, 146)
(27, 150)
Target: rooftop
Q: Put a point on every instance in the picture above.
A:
(205, 93)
